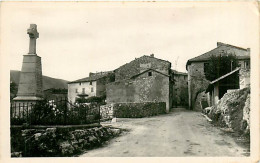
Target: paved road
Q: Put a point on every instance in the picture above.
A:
(179, 133)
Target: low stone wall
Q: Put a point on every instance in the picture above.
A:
(138, 110)
(53, 142)
(142, 88)
(106, 111)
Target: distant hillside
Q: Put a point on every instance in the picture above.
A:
(47, 82)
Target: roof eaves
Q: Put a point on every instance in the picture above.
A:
(224, 76)
(141, 57)
(146, 71)
(88, 79)
(234, 46)
(156, 58)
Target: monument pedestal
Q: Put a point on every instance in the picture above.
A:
(30, 84)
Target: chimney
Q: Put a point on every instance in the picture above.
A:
(152, 55)
(248, 49)
(219, 44)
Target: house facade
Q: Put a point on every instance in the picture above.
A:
(94, 85)
(145, 79)
(197, 82)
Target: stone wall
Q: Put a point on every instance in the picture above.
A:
(101, 84)
(106, 111)
(180, 90)
(53, 142)
(144, 88)
(244, 78)
(141, 64)
(138, 110)
(197, 82)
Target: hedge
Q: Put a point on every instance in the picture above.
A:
(138, 110)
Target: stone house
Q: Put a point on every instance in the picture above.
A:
(197, 82)
(180, 89)
(145, 79)
(94, 85)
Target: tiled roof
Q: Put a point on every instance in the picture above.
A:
(149, 70)
(143, 57)
(218, 50)
(155, 58)
(91, 78)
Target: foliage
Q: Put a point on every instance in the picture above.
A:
(13, 89)
(59, 90)
(42, 112)
(81, 100)
(92, 99)
(220, 65)
(57, 113)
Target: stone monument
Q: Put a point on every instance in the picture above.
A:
(30, 84)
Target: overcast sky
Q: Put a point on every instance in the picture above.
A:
(78, 38)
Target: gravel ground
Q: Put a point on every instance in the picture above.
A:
(177, 134)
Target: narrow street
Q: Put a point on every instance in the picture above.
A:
(180, 133)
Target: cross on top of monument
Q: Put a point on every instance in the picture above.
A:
(33, 34)
(32, 31)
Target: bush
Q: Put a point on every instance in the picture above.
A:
(92, 99)
(59, 113)
(42, 113)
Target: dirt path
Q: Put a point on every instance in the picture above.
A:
(179, 133)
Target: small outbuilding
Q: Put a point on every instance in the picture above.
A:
(222, 85)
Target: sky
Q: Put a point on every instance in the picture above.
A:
(77, 38)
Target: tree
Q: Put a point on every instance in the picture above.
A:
(219, 66)
(92, 99)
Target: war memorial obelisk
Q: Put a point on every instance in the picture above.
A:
(30, 84)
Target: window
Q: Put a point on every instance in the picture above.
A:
(90, 83)
(149, 73)
(79, 83)
(83, 90)
(76, 90)
(92, 89)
